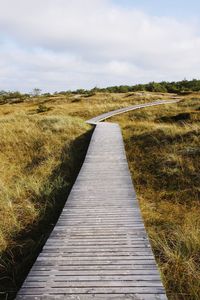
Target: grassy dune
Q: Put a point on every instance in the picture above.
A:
(43, 142)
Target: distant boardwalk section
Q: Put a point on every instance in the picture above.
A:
(109, 114)
(99, 248)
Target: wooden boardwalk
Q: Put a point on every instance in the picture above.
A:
(99, 248)
(109, 114)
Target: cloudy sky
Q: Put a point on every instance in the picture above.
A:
(68, 44)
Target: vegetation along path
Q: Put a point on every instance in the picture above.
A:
(99, 247)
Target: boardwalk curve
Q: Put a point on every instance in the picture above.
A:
(99, 248)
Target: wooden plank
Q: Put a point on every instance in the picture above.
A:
(57, 269)
(90, 253)
(77, 278)
(88, 273)
(119, 296)
(91, 290)
(96, 284)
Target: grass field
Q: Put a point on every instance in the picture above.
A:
(43, 142)
(163, 151)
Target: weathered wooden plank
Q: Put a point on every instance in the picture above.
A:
(56, 258)
(100, 274)
(67, 278)
(122, 268)
(62, 261)
(102, 247)
(91, 290)
(96, 284)
(79, 236)
(95, 253)
(119, 296)
(43, 260)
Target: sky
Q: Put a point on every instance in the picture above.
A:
(58, 45)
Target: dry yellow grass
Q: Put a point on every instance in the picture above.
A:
(38, 163)
(163, 155)
(31, 148)
(39, 151)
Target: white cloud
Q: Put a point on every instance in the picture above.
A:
(59, 44)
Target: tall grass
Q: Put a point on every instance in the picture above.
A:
(43, 142)
(30, 151)
(39, 159)
(163, 150)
